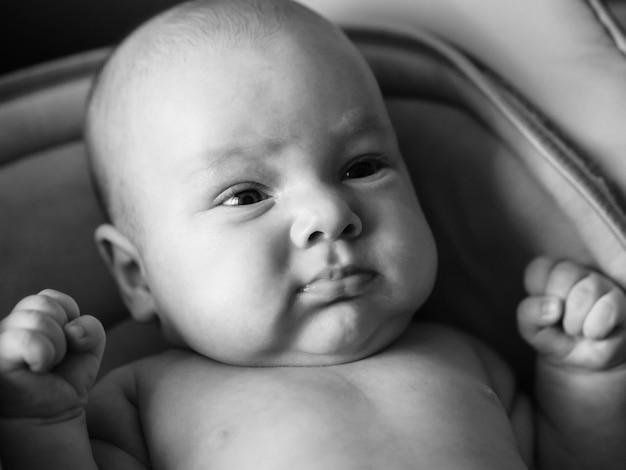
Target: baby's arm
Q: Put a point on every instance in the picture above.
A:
(49, 359)
(575, 318)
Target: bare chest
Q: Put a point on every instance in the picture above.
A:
(397, 410)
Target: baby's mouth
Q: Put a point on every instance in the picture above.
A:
(333, 283)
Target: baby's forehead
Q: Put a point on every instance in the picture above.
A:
(151, 60)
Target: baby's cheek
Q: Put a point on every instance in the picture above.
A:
(418, 269)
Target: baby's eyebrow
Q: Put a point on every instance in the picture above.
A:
(215, 161)
(218, 160)
(358, 121)
(217, 156)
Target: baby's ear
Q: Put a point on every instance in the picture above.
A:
(122, 259)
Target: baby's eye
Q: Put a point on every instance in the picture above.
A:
(364, 168)
(245, 197)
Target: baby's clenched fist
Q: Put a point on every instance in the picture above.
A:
(49, 356)
(573, 316)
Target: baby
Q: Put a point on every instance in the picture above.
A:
(262, 212)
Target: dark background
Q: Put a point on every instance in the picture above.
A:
(33, 31)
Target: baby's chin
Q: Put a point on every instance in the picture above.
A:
(305, 359)
(332, 348)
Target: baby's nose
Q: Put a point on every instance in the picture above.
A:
(324, 217)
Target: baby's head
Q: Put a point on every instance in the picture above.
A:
(260, 207)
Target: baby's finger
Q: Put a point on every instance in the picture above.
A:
(563, 277)
(86, 334)
(606, 315)
(69, 305)
(536, 275)
(43, 304)
(581, 299)
(19, 348)
(535, 314)
(539, 324)
(41, 323)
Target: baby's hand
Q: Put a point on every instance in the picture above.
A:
(574, 317)
(49, 357)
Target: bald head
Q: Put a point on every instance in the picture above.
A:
(163, 43)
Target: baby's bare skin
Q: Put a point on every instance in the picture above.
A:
(391, 410)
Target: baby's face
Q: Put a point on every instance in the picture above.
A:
(281, 227)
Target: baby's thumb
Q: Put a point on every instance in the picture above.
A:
(536, 316)
(86, 334)
(86, 340)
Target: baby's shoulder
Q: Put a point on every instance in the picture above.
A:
(135, 380)
(462, 355)
(455, 351)
(114, 421)
(116, 409)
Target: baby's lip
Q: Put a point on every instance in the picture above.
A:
(336, 282)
